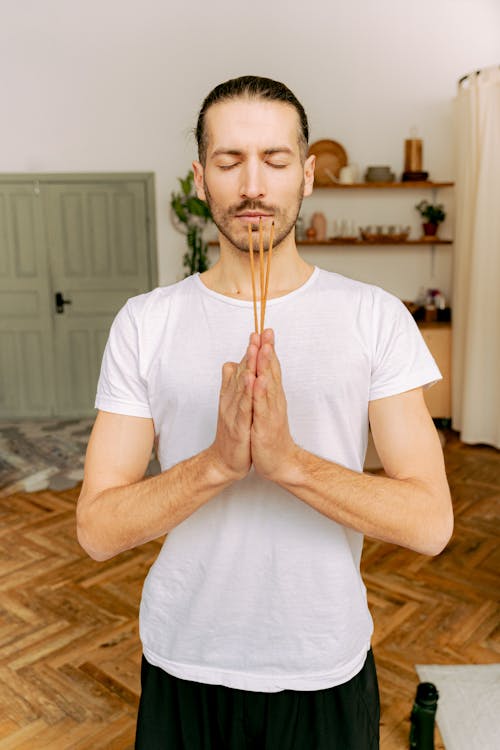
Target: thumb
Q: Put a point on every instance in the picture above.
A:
(227, 373)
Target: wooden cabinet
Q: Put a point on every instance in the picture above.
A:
(437, 336)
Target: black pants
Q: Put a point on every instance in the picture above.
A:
(177, 714)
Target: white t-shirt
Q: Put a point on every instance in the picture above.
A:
(257, 590)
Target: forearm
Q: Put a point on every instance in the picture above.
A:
(121, 518)
(400, 511)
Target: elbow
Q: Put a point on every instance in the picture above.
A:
(94, 552)
(91, 548)
(439, 534)
(89, 539)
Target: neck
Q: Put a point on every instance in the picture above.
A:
(231, 275)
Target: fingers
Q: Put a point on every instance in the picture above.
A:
(267, 361)
(268, 336)
(249, 360)
(268, 388)
(239, 390)
(255, 339)
(232, 440)
(262, 396)
(259, 358)
(237, 383)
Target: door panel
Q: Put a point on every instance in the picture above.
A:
(25, 321)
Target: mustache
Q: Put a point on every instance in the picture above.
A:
(249, 205)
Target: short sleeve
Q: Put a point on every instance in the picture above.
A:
(120, 388)
(401, 360)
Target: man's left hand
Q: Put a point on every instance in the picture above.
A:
(272, 445)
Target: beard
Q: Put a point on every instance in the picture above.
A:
(284, 219)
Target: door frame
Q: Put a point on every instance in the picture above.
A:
(147, 178)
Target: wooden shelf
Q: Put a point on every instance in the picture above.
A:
(385, 185)
(356, 243)
(341, 241)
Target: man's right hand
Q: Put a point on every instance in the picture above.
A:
(231, 448)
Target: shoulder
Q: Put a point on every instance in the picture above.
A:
(356, 291)
(159, 300)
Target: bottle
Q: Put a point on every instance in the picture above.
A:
(422, 297)
(318, 222)
(423, 717)
(300, 230)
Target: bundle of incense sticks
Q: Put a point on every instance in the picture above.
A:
(264, 283)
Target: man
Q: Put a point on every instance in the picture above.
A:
(254, 621)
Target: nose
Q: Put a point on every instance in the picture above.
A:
(252, 180)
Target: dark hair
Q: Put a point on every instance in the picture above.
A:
(251, 87)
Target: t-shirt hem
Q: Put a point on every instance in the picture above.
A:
(420, 380)
(122, 407)
(259, 683)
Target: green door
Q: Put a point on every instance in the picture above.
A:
(92, 242)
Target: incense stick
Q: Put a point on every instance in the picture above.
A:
(250, 250)
(264, 283)
(261, 266)
(268, 271)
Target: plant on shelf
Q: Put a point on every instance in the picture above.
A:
(434, 215)
(190, 215)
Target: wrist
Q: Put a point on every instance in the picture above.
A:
(221, 474)
(287, 472)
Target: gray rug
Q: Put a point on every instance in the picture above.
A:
(45, 454)
(468, 714)
(41, 454)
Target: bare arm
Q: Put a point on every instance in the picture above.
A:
(410, 507)
(118, 509)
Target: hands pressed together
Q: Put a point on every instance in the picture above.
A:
(252, 425)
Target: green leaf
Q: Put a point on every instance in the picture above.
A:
(196, 207)
(187, 183)
(179, 209)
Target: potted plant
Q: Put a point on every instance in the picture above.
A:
(434, 215)
(191, 215)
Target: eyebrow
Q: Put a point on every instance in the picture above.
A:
(239, 152)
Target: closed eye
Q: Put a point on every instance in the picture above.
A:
(228, 166)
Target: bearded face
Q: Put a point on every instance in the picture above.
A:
(254, 169)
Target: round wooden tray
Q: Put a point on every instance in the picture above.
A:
(330, 158)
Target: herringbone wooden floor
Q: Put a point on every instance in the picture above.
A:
(69, 647)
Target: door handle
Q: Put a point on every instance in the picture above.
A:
(60, 302)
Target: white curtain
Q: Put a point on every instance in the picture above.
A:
(476, 267)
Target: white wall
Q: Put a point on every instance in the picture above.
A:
(115, 85)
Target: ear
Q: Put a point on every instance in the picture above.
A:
(198, 180)
(309, 174)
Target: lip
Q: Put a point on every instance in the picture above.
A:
(249, 216)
